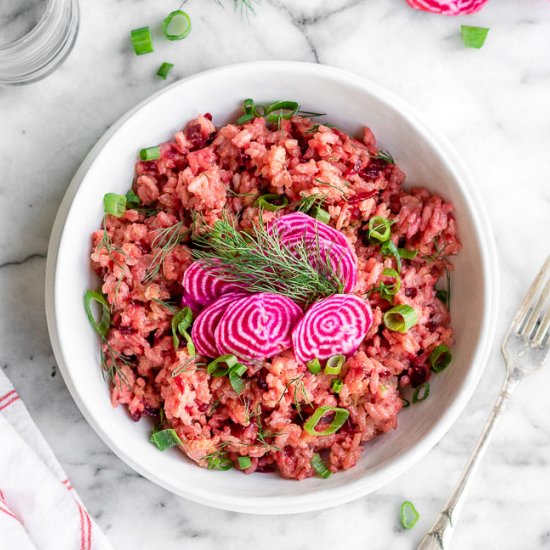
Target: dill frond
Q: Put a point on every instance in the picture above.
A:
(261, 262)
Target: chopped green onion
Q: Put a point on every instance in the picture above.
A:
(150, 153)
(440, 358)
(314, 366)
(244, 462)
(409, 515)
(387, 292)
(389, 249)
(407, 254)
(319, 466)
(132, 200)
(421, 393)
(336, 385)
(114, 204)
(248, 106)
(180, 323)
(165, 439)
(176, 25)
(379, 229)
(164, 69)
(406, 403)
(245, 118)
(103, 326)
(400, 318)
(320, 214)
(272, 202)
(142, 40)
(215, 368)
(334, 364)
(340, 417)
(235, 378)
(473, 37)
(280, 110)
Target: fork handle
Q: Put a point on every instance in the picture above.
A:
(440, 534)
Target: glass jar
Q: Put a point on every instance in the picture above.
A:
(43, 48)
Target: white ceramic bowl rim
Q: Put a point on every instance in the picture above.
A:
(324, 497)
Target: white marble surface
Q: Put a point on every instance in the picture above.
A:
(494, 104)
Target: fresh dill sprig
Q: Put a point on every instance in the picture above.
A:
(166, 239)
(261, 262)
(218, 459)
(385, 156)
(111, 365)
(107, 244)
(311, 202)
(339, 189)
(262, 435)
(243, 5)
(439, 254)
(187, 366)
(172, 307)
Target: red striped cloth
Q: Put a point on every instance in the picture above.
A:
(39, 509)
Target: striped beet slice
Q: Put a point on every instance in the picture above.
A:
(341, 260)
(300, 224)
(258, 326)
(333, 326)
(202, 287)
(205, 324)
(448, 7)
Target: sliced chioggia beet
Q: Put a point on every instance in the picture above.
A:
(202, 333)
(298, 228)
(448, 7)
(333, 326)
(258, 326)
(201, 287)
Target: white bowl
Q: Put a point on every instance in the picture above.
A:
(351, 102)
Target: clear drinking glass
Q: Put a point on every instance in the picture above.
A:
(35, 37)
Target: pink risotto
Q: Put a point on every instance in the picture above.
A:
(272, 295)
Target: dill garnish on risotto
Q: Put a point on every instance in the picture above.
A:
(270, 292)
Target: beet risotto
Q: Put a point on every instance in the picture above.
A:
(270, 293)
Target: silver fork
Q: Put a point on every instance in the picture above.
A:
(525, 349)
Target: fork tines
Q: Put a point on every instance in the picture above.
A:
(532, 321)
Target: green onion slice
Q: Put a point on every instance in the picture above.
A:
(389, 291)
(406, 403)
(165, 439)
(473, 37)
(314, 366)
(334, 364)
(272, 202)
(336, 385)
(319, 466)
(340, 416)
(150, 153)
(103, 326)
(176, 25)
(180, 323)
(440, 358)
(409, 515)
(379, 229)
(164, 69)
(389, 249)
(400, 318)
(320, 214)
(443, 295)
(245, 118)
(407, 254)
(222, 463)
(281, 110)
(132, 200)
(142, 40)
(421, 393)
(244, 462)
(235, 378)
(114, 204)
(221, 365)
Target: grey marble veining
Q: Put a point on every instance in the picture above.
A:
(494, 105)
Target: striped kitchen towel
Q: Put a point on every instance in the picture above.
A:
(39, 509)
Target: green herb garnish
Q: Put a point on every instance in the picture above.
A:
(142, 41)
(340, 417)
(385, 156)
(319, 466)
(150, 153)
(334, 364)
(164, 70)
(165, 439)
(101, 327)
(440, 358)
(176, 25)
(400, 318)
(408, 514)
(473, 37)
(261, 262)
(180, 323)
(244, 462)
(421, 393)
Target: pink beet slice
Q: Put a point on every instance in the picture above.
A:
(258, 326)
(333, 326)
(205, 324)
(342, 262)
(448, 7)
(201, 287)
